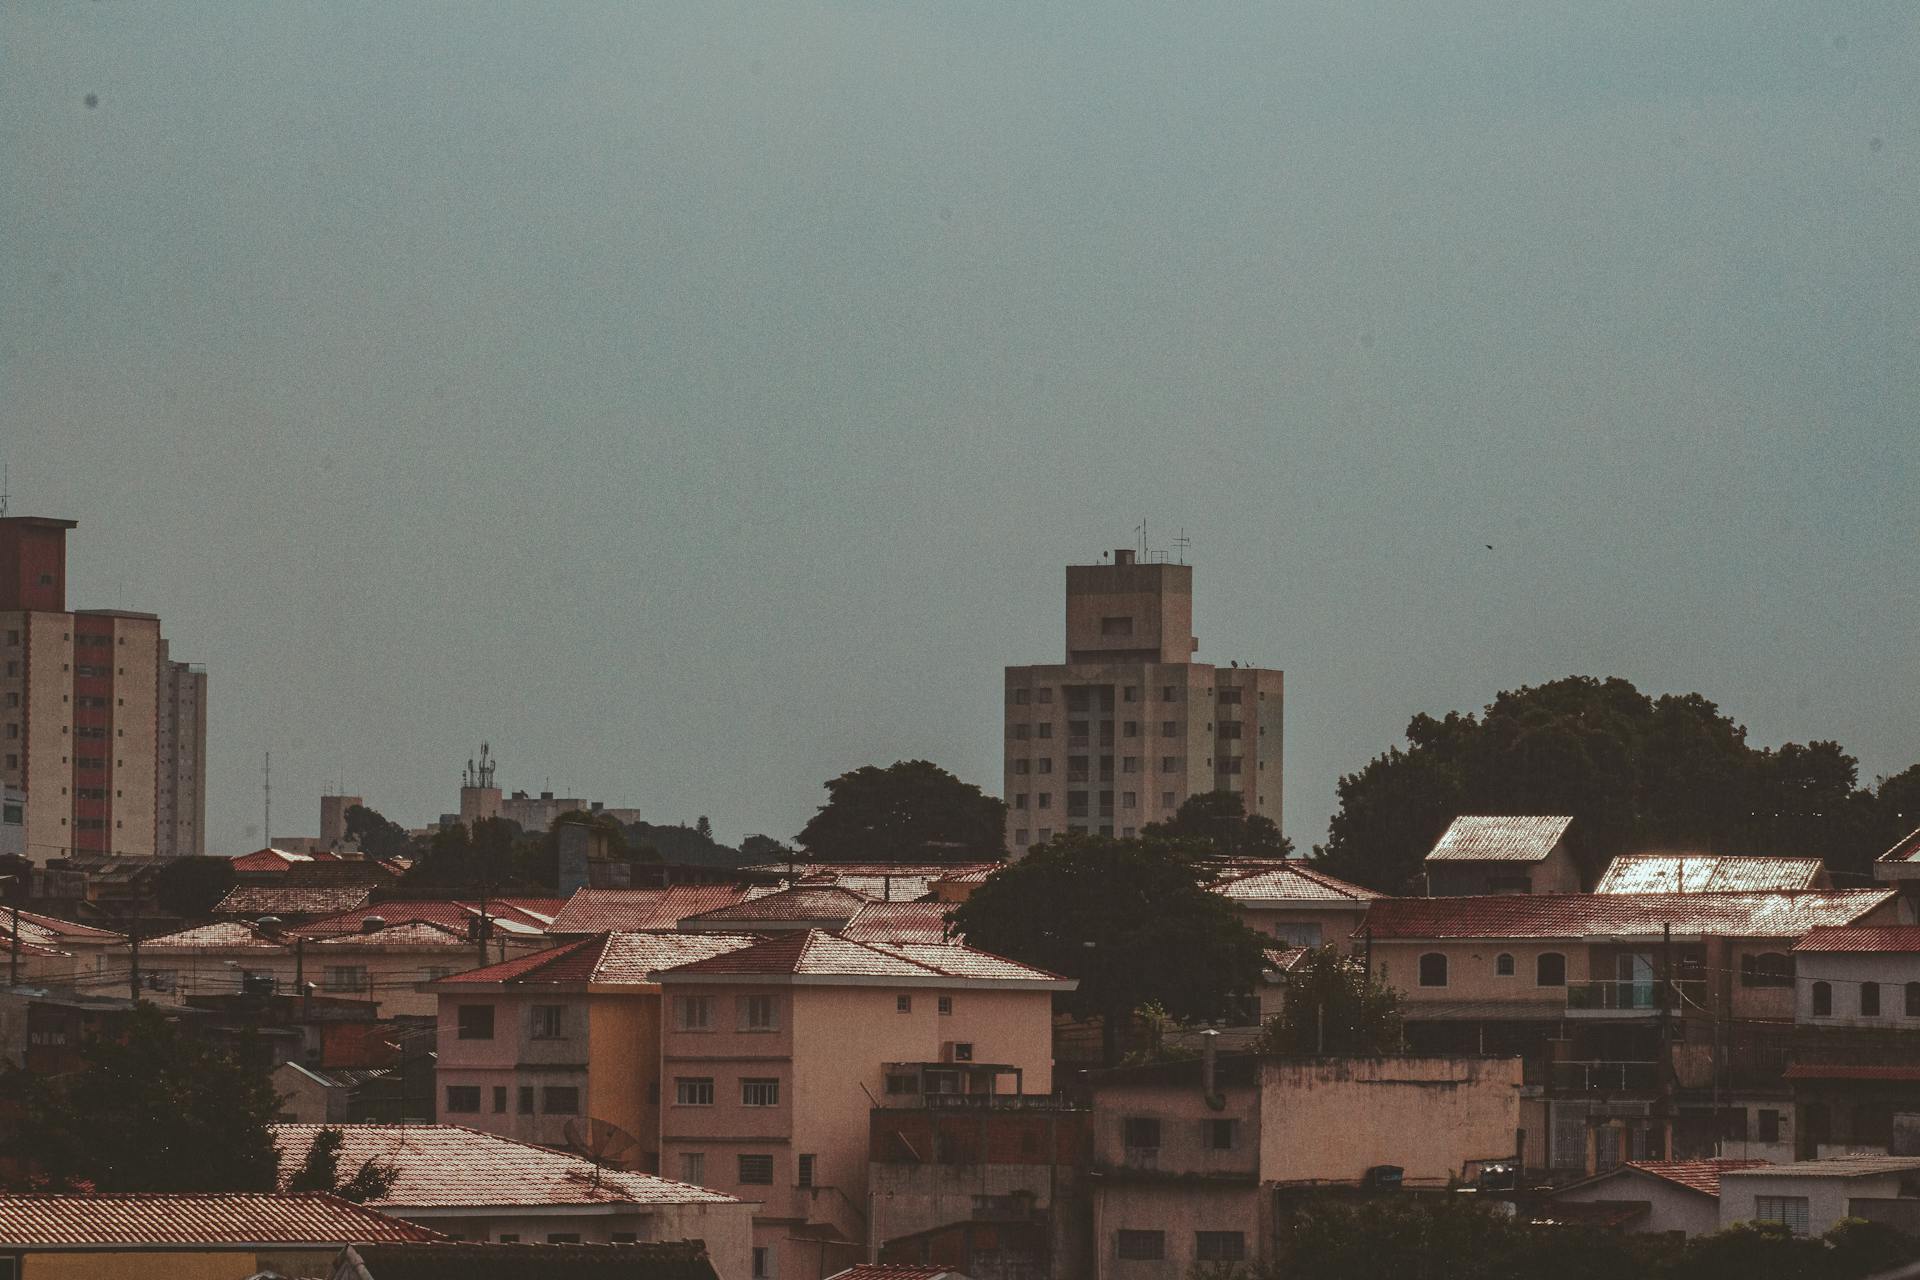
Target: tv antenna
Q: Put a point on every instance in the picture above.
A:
(4, 477)
(1183, 542)
(1141, 529)
(601, 1141)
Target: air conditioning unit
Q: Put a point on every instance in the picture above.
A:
(957, 1051)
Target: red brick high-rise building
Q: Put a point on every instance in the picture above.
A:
(104, 733)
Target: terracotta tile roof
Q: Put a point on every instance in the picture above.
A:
(887, 883)
(1905, 849)
(1695, 1175)
(625, 910)
(1509, 838)
(291, 900)
(1860, 1166)
(807, 953)
(607, 958)
(1851, 1071)
(524, 916)
(27, 948)
(1708, 873)
(896, 1271)
(222, 934)
(1283, 959)
(52, 1221)
(805, 902)
(830, 870)
(1289, 881)
(1786, 914)
(447, 1165)
(63, 930)
(899, 922)
(1904, 937)
(279, 859)
(406, 935)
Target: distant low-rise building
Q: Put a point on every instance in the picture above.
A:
(1709, 873)
(1809, 1197)
(1653, 1196)
(1287, 900)
(1518, 853)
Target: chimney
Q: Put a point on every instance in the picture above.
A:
(1123, 555)
(1208, 1039)
(372, 924)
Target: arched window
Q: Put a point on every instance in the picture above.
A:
(1433, 970)
(1503, 964)
(1913, 999)
(1869, 999)
(1550, 970)
(1822, 1000)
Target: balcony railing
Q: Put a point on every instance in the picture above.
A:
(1604, 1076)
(1635, 996)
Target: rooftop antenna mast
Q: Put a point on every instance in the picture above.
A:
(1183, 542)
(266, 794)
(4, 477)
(1141, 529)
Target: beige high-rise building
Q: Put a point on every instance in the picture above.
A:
(103, 732)
(1130, 726)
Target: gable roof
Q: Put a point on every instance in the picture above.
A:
(292, 900)
(788, 908)
(627, 910)
(451, 1166)
(1708, 873)
(1905, 849)
(406, 935)
(524, 917)
(900, 922)
(1785, 914)
(219, 935)
(271, 859)
(57, 929)
(813, 956)
(1288, 882)
(633, 957)
(1902, 937)
(1695, 1175)
(235, 1220)
(1500, 838)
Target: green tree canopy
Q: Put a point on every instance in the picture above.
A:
(1332, 1007)
(1219, 818)
(1637, 773)
(496, 856)
(1130, 919)
(911, 810)
(159, 1110)
(375, 836)
(320, 1171)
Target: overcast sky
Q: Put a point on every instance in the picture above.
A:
(697, 401)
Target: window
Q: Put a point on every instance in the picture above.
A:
(1169, 728)
(525, 1105)
(1044, 800)
(1869, 999)
(1130, 693)
(1043, 835)
(547, 1021)
(1129, 799)
(756, 1171)
(902, 1082)
(1021, 697)
(1791, 1211)
(1229, 697)
(1229, 728)
(560, 1100)
(1913, 999)
(1129, 764)
(1503, 964)
(462, 1098)
(1116, 626)
(1297, 933)
(1021, 836)
(1169, 764)
(1076, 804)
(1433, 970)
(693, 1091)
(1217, 1135)
(805, 1176)
(693, 1013)
(757, 1013)
(1230, 764)
(946, 1006)
(693, 1167)
(759, 1092)
(1169, 693)
(1043, 765)
(475, 1020)
(1822, 999)
(1141, 1246)
(1043, 695)
(344, 977)
(1550, 970)
(563, 1237)
(1022, 766)
(1142, 1133)
(1130, 729)
(1020, 800)
(903, 1004)
(1043, 730)
(1766, 969)
(1167, 800)
(499, 1098)
(1219, 1246)
(762, 1263)
(1021, 732)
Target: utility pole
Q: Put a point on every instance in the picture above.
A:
(14, 886)
(133, 976)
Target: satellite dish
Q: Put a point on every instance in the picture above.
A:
(601, 1141)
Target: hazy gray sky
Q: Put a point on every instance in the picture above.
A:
(700, 400)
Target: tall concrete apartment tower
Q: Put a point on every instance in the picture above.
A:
(1129, 726)
(100, 730)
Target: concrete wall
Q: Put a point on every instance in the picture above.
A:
(1178, 1212)
(175, 1264)
(46, 732)
(1332, 1119)
(1556, 873)
(1844, 972)
(1473, 971)
(1826, 1196)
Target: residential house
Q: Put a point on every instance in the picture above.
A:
(1521, 853)
(471, 1185)
(1194, 1162)
(1900, 867)
(54, 950)
(1627, 1008)
(773, 1056)
(1656, 1196)
(1810, 1196)
(573, 1031)
(822, 907)
(924, 922)
(591, 911)
(1856, 1051)
(1709, 873)
(291, 904)
(1290, 901)
(191, 1237)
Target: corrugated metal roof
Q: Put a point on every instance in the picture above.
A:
(1786, 914)
(452, 1166)
(1862, 938)
(1708, 873)
(1500, 838)
(52, 1221)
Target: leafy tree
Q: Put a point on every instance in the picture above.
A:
(1332, 1007)
(191, 887)
(703, 828)
(320, 1171)
(911, 810)
(496, 856)
(160, 1109)
(1130, 919)
(1635, 772)
(682, 844)
(1220, 819)
(757, 849)
(375, 835)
